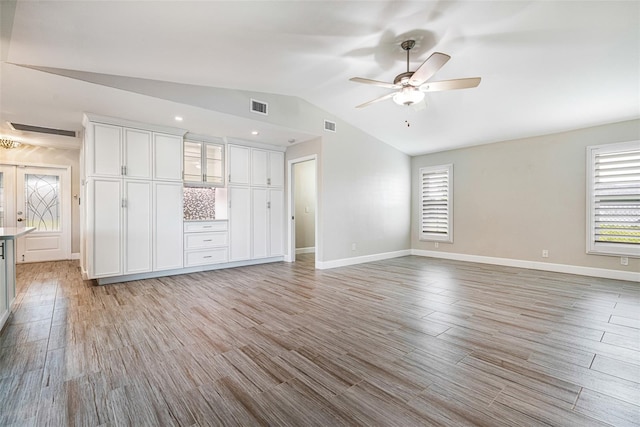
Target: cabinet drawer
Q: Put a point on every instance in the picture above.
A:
(205, 240)
(197, 226)
(211, 256)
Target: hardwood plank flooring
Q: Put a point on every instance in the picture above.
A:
(408, 341)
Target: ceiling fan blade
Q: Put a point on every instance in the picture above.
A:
(450, 84)
(429, 68)
(374, 83)
(373, 101)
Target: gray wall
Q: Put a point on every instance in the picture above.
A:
(513, 199)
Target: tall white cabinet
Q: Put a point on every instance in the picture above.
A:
(256, 203)
(133, 192)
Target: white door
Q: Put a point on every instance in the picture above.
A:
(259, 223)
(167, 157)
(104, 225)
(276, 169)
(137, 154)
(43, 201)
(239, 223)
(259, 167)
(238, 165)
(167, 225)
(276, 222)
(137, 226)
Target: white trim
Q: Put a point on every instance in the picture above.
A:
(291, 231)
(75, 255)
(185, 270)
(533, 265)
(115, 121)
(309, 250)
(361, 259)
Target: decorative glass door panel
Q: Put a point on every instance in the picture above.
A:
(42, 202)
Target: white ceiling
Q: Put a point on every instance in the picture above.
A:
(546, 66)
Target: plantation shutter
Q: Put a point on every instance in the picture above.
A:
(436, 203)
(615, 199)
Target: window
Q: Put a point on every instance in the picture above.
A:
(436, 203)
(613, 199)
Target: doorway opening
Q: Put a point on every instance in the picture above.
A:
(303, 218)
(37, 197)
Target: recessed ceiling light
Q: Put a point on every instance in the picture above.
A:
(291, 140)
(254, 132)
(178, 119)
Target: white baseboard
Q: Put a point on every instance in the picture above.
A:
(310, 250)
(533, 265)
(75, 255)
(323, 265)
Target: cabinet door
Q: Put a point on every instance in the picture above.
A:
(104, 212)
(167, 226)
(276, 169)
(259, 167)
(137, 153)
(193, 161)
(104, 150)
(276, 222)
(137, 227)
(239, 223)
(167, 157)
(213, 159)
(238, 165)
(259, 223)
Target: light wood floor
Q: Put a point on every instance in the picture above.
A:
(403, 342)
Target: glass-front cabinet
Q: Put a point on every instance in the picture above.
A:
(203, 163)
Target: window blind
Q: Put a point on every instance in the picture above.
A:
(436, 197)
(613, 192)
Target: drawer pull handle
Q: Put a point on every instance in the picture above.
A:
(208, 256)
(207, 226)
(207, 240)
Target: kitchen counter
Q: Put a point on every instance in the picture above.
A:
(8, 235)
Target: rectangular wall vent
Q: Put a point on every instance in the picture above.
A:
(259, 107)
(329, 126)
(38, 129)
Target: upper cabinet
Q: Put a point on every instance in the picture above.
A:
(267, 168)
(167, 155)
(132, 153)
(238, 165)
(203, 163)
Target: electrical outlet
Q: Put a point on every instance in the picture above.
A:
(436, 245)
(624, 260)
(545, 253)
(353, 246)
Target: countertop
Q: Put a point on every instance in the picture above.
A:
(11, 233)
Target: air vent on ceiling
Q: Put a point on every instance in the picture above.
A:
(259, 107)
(38, 129)
(329, 126)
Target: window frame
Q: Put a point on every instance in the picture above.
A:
(603, 248)
(429, 236)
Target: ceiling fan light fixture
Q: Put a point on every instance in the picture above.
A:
(9, 143)
(408, 96)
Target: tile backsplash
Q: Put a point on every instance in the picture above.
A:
(199, 203)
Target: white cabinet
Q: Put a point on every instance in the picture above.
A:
(267, 222)
(238, 162)
(136, 150)
(132, 219)
(104, 224)
(119, 151)
(267, 168)
(204, 163)
(137, 236)
(205, 242)
(104, 150)
(167, 226)
(239, 223)
(167, 157)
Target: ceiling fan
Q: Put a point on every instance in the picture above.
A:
(411, 85)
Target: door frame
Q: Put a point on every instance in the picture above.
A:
(65, 196)
(291, 208)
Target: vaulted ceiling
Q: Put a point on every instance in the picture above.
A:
(546, 66)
